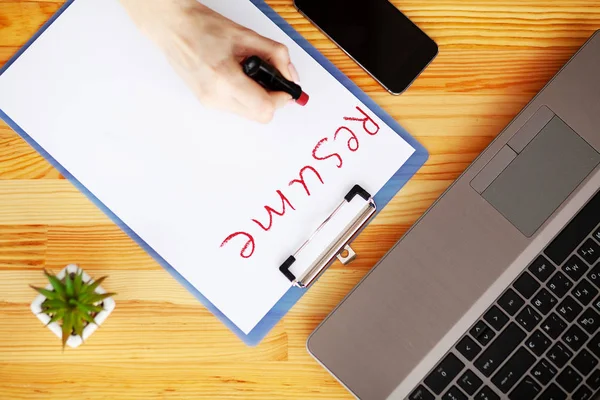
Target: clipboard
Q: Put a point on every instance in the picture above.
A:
(373, 203)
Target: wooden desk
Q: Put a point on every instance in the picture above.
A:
(160, 343)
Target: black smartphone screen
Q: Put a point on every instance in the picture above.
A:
(376, 35)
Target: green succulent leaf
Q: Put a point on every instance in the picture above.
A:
(96, 297)
(88, 308)
(54, 312)
(57, 285)
(54, 303)
(69, 285)
(49, 294)
(91, 288)
(67, 328)
(78, 282)
(58, 315)
(86, 316)
(78, 324)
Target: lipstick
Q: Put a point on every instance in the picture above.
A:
(271, 79)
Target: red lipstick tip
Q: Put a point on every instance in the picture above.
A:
(303, 99)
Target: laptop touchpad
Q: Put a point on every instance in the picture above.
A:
(542, 176)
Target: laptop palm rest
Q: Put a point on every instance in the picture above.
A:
(533, 179)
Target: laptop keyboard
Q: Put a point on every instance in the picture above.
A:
(541, 337)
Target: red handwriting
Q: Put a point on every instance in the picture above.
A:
(249, 243)
(353, 138)
(369, 126)
(365, 120)
(271, 211)
(302, 181)
(318, 158)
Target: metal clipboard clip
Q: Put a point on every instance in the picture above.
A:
(340, 245)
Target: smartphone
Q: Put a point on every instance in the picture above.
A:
(375, 34)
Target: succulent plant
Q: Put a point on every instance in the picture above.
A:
(71, 302)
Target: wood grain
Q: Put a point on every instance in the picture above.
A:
(160, 343)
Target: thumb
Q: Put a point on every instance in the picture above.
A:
(273, 52)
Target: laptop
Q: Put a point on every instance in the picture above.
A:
(495, 292)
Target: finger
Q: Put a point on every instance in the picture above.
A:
(280, 99)
(240, 109)
(231, 105)
(273, 52)
(234, 105)
(261, 110)
(220, 99)
(250, 94)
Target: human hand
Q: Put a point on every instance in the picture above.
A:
(206, 50)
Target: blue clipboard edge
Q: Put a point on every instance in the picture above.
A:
(382, 198)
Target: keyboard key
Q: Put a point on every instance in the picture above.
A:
(575, 268)
(529, 318)
(597, 234)
(513, 370)
(468, 348)
(486, 394)
(559, 354)
(500, 349)
(454, 394)
(597, 304)
(553, 392)
(589, 320)
(469, 382)
(584, 292)
(589, 251)
(575, 232)
(594, 275)
(478, 329)
(575, 338)
(444, 373)
(486, 337)
(544, 301)
(421, 393)
(482, 333)
(542, 268)
(583, 393)
(569, 379)
(594, 345)
(527, 389)
(526, 285)
(584, 362)
(511, 302)
(544, 371)
(594, 380)
(554, 326)
(569, 309)
(538, 343)
(559, 284)
(496, 318)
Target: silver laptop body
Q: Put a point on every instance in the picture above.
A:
(430, 291)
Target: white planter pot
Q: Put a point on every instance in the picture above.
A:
(75, 340)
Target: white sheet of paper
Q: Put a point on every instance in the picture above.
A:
(104, 102)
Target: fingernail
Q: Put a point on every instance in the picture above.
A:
(294, 74)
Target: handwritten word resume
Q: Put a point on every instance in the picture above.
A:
(222, 200)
